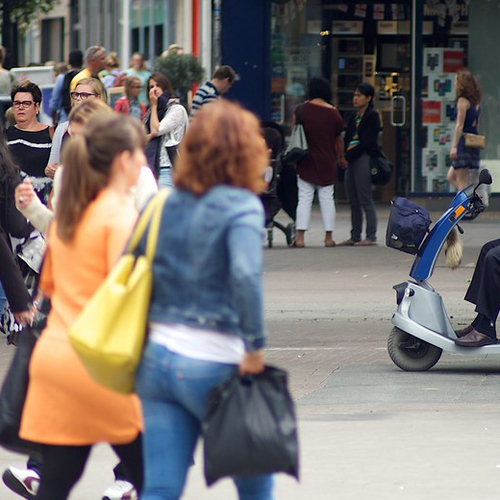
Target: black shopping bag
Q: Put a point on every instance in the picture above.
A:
(15, 388)
(250, 428)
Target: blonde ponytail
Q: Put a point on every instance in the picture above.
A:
(80, 185)
(87, 160)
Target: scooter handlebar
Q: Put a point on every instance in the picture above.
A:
(485, 177)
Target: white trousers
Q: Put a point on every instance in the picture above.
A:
(326, 204)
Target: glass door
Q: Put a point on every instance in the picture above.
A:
(296, 54)
(371, 42)
(348, 43)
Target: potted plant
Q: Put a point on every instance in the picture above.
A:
(183, 70)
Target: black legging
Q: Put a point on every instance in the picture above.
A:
(63, 467)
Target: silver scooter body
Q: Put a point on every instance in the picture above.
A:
(421, 313)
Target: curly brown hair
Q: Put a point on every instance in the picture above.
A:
(223, 145)
(468, 87)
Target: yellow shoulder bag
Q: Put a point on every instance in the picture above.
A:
(110, 331)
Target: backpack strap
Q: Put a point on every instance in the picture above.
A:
(300, 114)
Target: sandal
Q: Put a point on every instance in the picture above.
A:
(347, 243)
(366, 243)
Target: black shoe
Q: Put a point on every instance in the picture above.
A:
(464, 331)
(475, 339)
(290, 234)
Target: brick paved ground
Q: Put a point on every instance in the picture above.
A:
(367, 428)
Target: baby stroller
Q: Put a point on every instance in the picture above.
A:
(281, 189)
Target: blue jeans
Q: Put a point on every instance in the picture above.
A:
(173, 391)
(165, 178)
(3, 299)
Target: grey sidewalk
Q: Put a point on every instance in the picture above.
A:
(367, 429)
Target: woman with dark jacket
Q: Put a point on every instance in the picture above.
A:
(12, 223)
(360, 143)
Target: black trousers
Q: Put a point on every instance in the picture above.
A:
(63, 467)
(484, 290)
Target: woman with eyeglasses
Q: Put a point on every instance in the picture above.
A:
(88, 88)
(29, 140)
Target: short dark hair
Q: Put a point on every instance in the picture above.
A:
(163, 81)
(223, 72)
(29, 87)
(367, 90)
(76, 58)
(319, 88)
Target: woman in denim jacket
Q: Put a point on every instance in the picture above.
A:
(206, 312)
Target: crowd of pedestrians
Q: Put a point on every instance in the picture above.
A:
(70, 195)
(77, 187)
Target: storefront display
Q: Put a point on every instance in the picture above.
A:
(411, 61)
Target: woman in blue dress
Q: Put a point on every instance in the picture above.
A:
(468, 109)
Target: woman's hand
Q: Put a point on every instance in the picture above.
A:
(252, 363)
(453, 153)
(25, 317)
(50, 170)
(24, 194)
(342, 163)
(153, 97)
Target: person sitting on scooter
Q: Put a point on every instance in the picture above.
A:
(484, 292)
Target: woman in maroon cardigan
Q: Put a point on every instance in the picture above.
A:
(318, 170)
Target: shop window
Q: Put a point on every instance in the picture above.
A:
(52, 38)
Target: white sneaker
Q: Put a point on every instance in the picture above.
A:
(24, 482)
(120, 490)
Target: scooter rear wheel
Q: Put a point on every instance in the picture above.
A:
(410, 353)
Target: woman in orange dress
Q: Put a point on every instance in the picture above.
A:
(65, 410)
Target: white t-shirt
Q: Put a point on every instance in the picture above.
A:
(200, 344)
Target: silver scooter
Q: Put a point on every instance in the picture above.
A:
(422, 328)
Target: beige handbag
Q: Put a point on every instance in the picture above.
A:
(474, 141)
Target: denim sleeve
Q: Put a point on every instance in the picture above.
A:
(245, 267)
(55, 102)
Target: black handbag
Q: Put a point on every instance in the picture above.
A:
(250, 428)
(380, 169)
(15, 387)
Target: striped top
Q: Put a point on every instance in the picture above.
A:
(355, 139)
(31, 150)
(206, 93)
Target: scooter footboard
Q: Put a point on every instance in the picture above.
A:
(445, 343)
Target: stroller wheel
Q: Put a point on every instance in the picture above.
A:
(270, 236)
(291, 234)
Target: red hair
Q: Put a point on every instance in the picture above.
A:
(223, 145)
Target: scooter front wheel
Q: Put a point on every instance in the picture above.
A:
(410, 353)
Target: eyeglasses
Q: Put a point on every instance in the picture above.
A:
(81, 95)
(22, 104)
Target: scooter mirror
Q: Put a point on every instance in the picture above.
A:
(485, 177)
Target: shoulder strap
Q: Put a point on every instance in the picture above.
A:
(152, 214)
(300, 114)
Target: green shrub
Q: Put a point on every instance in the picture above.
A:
(183, 70)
